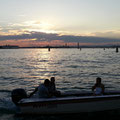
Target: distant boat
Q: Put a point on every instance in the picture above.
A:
(70, 103)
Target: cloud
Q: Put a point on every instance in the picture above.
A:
(108, 34)
(0, 28)
(37, 26)
(48, 37)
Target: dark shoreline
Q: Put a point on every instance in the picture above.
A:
(55, 47)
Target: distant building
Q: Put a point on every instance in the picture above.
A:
(9, 47)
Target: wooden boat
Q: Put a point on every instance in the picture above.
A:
(70, 103)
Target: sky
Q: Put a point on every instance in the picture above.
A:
(56, 22)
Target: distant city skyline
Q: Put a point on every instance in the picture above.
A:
(56, 22)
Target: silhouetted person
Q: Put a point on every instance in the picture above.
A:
(98, 88)
(42, 90)
(52, 87)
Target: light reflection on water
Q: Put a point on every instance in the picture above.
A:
(73, 69)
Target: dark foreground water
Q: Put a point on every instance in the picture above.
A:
(74, 70)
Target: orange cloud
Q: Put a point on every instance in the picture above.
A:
(43, 39)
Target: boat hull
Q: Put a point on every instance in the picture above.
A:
(70, 105)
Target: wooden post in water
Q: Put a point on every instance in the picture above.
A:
(78, 46)
(48, 48)
(116, 49)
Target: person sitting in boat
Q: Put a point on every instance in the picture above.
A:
(42, 90)
(52, 87)
(98, 88)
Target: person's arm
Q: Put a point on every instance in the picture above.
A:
(93, 87)
(36, 89)
(103, 89)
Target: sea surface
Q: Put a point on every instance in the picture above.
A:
(74, 69)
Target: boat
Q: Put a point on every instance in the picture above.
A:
(69, 103)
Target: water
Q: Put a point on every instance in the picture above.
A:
(73, 69)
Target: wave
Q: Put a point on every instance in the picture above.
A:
(5, 91)
(7, 106)
(7, 111)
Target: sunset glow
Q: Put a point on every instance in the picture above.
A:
(66, 21)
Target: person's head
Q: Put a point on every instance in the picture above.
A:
(46, 82)
(52, 79)
(98, 80)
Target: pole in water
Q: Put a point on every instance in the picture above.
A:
(116, 49)
(49, 49)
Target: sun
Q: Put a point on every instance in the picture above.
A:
(45, 25)
(41, 26)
